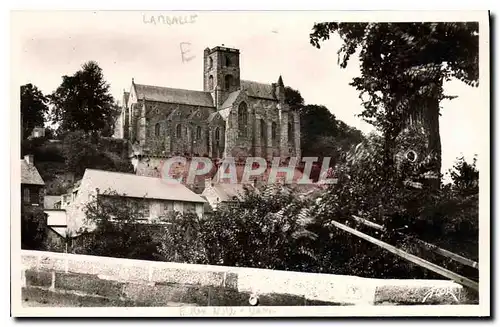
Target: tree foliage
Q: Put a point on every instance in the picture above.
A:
(322, 135)
(465, 176)
(83, 102)
(33, 108)
(403, 67)
(82, 151)
(33, 228)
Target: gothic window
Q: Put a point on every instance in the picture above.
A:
(228, 61)
(263, 129)
(274, 132)
(228, 81)
(168, 207)
(198, 132)
(243, 119)
(157, 129)
(217, 134)
(210, 82)
(189, 207)
(178, 131)
(26, 195)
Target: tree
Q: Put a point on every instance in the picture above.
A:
(403, 67)
(323, 135)
(33, 228)
(465, 176)
(83, 101)
(33, 108)
(293, 98)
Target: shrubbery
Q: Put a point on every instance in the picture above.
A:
(33, 228)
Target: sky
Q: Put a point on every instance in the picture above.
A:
(129, 44)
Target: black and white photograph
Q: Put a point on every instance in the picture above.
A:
(250, 163)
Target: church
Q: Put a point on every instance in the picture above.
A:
(231, 117)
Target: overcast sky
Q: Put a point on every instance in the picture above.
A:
(128, 45)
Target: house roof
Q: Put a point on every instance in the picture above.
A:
(258, 90)
(171, 95)
(228, 192)
(30, 175)
(49, 201)
(141, 186)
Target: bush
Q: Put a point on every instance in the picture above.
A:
(82, 151)
(33, 228)
(112, 230)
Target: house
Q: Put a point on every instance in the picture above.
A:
(158, 196)
(56, 220)
(37, 132)
(224, 193)
(32, 184)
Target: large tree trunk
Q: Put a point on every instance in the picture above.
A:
(434, 141)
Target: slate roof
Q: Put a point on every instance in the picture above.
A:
(171, 95)
(140, 186)
(30, 175)
(258, 90)
(213, 115)
(230, 99)
(227, 191)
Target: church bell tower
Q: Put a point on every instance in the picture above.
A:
(221, 72)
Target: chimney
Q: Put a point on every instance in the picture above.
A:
(30, 159)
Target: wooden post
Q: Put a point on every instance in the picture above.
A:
(429, 246)
(410, 257)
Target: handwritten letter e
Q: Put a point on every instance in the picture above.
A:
(184, 51)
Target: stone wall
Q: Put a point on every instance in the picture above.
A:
(150, 283)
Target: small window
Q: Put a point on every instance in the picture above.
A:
(210, 82)
(290, 132)
(189, 207)
(168, 207)
(243, 119)
(228, 61)
(263, 129)
(143, 210)
(198, 133)
(35, 197)
(210, 63)
(217, 134)
(178, 131)
(157, 129)
(26, 195)
(228, 81)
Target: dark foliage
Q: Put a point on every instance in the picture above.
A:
(117, 232)
(33, 108)
(82, 151)
(83, 102)
(33, 228)
(322, 135)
